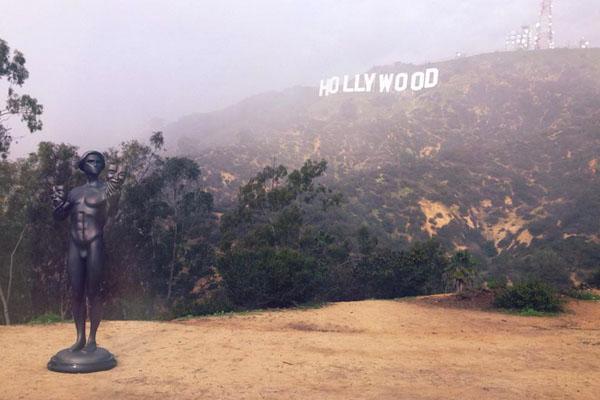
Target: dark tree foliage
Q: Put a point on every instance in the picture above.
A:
(160, 242)
(416, 271)
(268, 277)
(39, 275)
(272, 242)
(163, 237)
(461, 272)
(285, 242)
(366, 241)
(539, 265)
(594, 279)
(272, 207)
(51, 165)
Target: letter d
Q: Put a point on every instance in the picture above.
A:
(432, 76)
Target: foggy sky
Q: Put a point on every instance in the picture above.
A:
(107, 71)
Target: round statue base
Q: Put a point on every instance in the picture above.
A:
(81, 361)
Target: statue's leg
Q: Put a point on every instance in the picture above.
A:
(95, 266)
(76, 270)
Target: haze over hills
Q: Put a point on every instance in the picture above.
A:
(502, 156)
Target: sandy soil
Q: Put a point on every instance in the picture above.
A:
(410, 349)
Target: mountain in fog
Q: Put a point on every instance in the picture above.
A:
(502, 156)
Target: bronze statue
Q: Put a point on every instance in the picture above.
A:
(88, 207)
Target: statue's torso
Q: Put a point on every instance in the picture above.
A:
(88, 212)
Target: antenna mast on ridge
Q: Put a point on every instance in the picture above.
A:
(544, 33)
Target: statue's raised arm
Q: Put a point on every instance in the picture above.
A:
(115, 177)
(60, 202)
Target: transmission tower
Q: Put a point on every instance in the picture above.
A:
(544, 33)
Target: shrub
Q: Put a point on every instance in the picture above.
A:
(594, 280)
(460, 273)
(537, 296)
(497, 282)
(213, 302)
(270, 277)
(489, 249)
(390, 274)
(548, 267)
(584, 295)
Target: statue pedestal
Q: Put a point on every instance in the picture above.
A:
(82, 361)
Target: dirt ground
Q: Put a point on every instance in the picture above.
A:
(408, 349)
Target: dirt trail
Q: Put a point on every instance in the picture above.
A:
(410, 349)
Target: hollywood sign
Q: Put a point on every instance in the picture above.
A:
(383, 83)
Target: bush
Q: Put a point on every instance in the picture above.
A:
(584, 295)
(594, 280)
(531, 295)
(489, 249)
(389, 274)
(549, 267)
(342, 284)
(461, 273)
(213, 302)
(497, 282)
(270, 277)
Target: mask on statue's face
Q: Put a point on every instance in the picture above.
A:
(93, 164)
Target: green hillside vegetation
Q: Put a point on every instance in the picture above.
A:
(501, 158)
(170, 253)
(288, 198)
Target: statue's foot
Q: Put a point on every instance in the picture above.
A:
(78, 345)
(90, 347)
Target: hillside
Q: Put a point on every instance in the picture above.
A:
(360, 350)
(503, 155)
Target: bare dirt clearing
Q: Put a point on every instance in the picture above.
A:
(376, 349)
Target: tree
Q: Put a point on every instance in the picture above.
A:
(275, 248)
(366, 241)
(31, 251)
(12, 68)
(546, 266)
(273, 206)
(8, 231)
(270, 277)
(52, 164)
(162, 233)
(132, 239)
(180, 175)
(386, 273)
(461, 271)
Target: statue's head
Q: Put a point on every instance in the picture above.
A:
(92, 162)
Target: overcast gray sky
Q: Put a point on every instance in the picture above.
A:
(108, 70)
